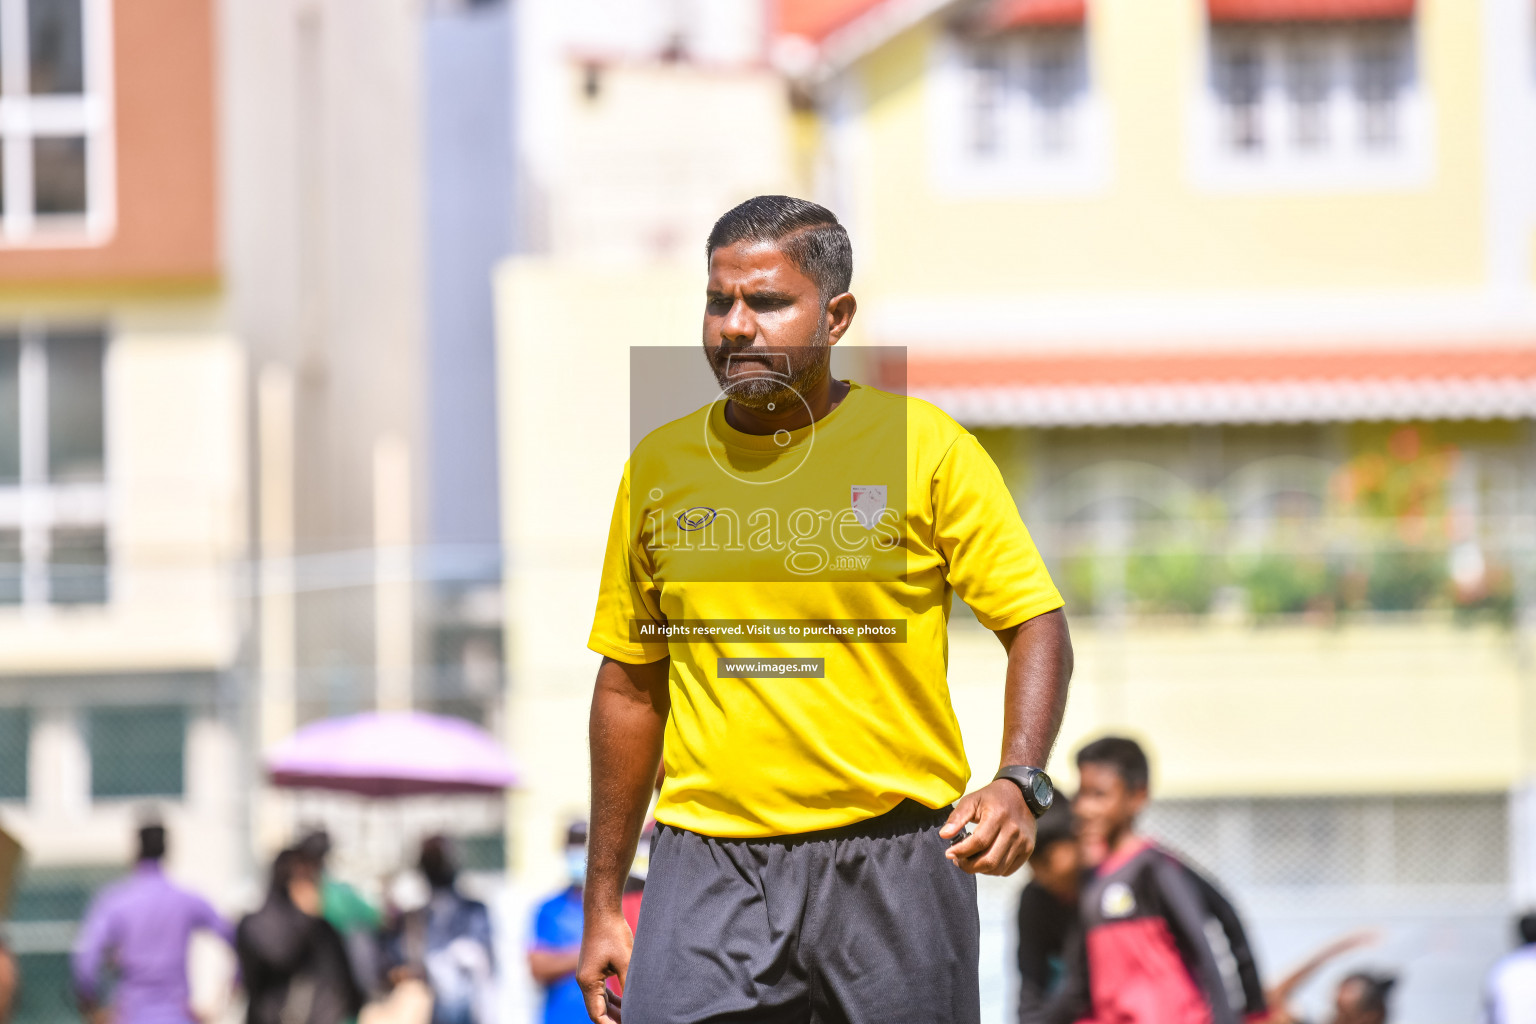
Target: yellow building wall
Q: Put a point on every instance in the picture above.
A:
(1419, 706)
(176, 431)
(563, 400)
(1395, 706)
(1152, 228)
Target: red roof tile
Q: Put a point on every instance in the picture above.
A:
(817, 19)
(1255, 387)
(1006, 14)
(1308, 10)
(1184, 367)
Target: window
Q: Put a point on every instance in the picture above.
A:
(1023, 95)
(137, 751)
(53, 537)
(1378, 68)
(54, 122)
(1307, 86)
(15, 744)
(1313, 104)
(1016, 108)
(1241, 77)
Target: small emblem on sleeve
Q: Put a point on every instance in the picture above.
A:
(1117, 901)
(868, 502)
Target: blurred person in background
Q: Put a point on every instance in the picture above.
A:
(353, 917)
(1049, 920)
(7, 981)
(1358, 994)
(557, 937)
(1510, 992)
(1361, 998)
(293, 962)
(447, 943)
(1047, 916)
(139, 928)
(1144, 953)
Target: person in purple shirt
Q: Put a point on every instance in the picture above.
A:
(140, 927)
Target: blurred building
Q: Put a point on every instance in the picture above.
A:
(123, 490)
(247, 445)
(1241, 293)
(1242, 296)
(369, 194)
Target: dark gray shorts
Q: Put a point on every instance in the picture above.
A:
(866, 923)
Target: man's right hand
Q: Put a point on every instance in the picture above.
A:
(605, 945)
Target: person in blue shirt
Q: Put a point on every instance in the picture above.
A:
(557, 938)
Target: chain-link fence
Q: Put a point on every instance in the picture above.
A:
(1428, 874)
(1410, 849)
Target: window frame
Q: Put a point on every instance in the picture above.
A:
(33, 504)
(1343, 161)
(25, 117)
(1022, 166)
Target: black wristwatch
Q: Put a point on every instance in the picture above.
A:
(1039, 793)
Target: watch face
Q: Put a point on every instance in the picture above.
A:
(1044, 791)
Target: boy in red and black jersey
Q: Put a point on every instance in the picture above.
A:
(1145, 956)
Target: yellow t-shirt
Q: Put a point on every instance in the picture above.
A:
(871, 517)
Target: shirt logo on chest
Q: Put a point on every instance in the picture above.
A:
(1117, 901)
(868, 501)
(695, 518)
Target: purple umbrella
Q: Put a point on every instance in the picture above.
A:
(392, 753)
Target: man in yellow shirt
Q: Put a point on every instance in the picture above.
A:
(773, 614)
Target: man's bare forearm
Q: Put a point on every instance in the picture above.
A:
(1039, 669)
(629, 715)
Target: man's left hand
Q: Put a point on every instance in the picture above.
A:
(1005, 830)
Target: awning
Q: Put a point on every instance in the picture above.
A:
(1137, 388)
(1010, 14)
(1309, 10)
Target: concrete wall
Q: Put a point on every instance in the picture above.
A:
(323, 233)
(1295, 710)
(468, 138)
(563, 372)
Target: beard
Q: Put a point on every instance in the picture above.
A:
(783, 375)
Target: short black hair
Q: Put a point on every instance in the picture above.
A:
(315, 847)
(1124, 755)
(1526, 928)
(438, 862)
(285, 867)
(806, 232)
(152, 842)
(1374, 990)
